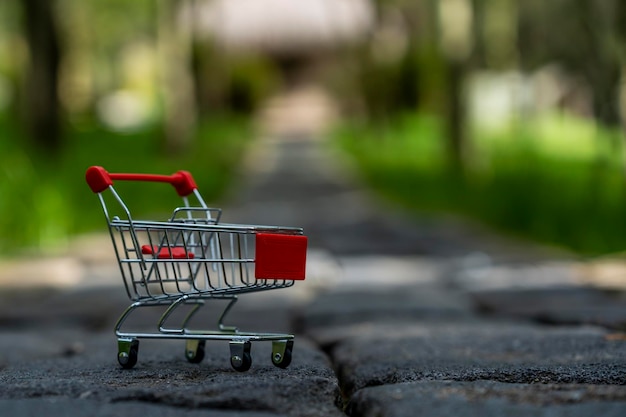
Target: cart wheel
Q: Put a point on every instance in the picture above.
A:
(240, 358)
(127, 353)
(194, 350)
(281, 353)
(241, 363)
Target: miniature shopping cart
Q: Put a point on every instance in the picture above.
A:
(191, 258)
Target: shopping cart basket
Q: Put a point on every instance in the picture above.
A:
(191, 258)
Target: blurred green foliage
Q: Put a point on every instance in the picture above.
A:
(44, 201)
(114, 112)
(558, 180)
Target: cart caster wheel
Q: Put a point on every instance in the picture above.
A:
(281, 353)
(194, 350)
(127, 352)
(241, 363)
(240, 358)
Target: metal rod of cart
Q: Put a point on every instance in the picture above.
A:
(190, 258)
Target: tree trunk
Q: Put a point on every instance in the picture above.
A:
(456, 116)
(479, 53)
(603, 65)
(41, 107)
(605, 89)
(620, 14)
(176, 77)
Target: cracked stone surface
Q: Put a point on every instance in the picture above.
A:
(463, 363)
(488, 398)
(504, 352)
(72, 367)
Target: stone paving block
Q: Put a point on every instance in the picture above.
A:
(97, 309)
(163, 377)
(396, 303)
(385, 272)
(479, 272)
(342, 314)
(369, 354)
(53, 351)
(60, 407)
(91, 308)
(560, 305)
(487, 398)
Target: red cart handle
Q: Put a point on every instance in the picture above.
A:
(99, 180)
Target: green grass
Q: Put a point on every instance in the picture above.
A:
(557, 180)
(45, 200)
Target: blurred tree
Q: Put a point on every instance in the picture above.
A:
(438, 43)
(583, 36)
(456, 40)
(109, 47)
(479, 37)
(230, 82)
(600, 64)
(392, 77)
(179, 99)
(41, 111)
(586, 39)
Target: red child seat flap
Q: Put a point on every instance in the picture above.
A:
(167, 252)
(280, 256)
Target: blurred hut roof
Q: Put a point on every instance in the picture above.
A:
(284, 27)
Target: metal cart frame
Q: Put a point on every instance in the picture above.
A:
(191, 258)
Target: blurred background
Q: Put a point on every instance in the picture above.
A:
(508, 112)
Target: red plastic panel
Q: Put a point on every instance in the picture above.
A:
(280, 256)
(166, 252)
